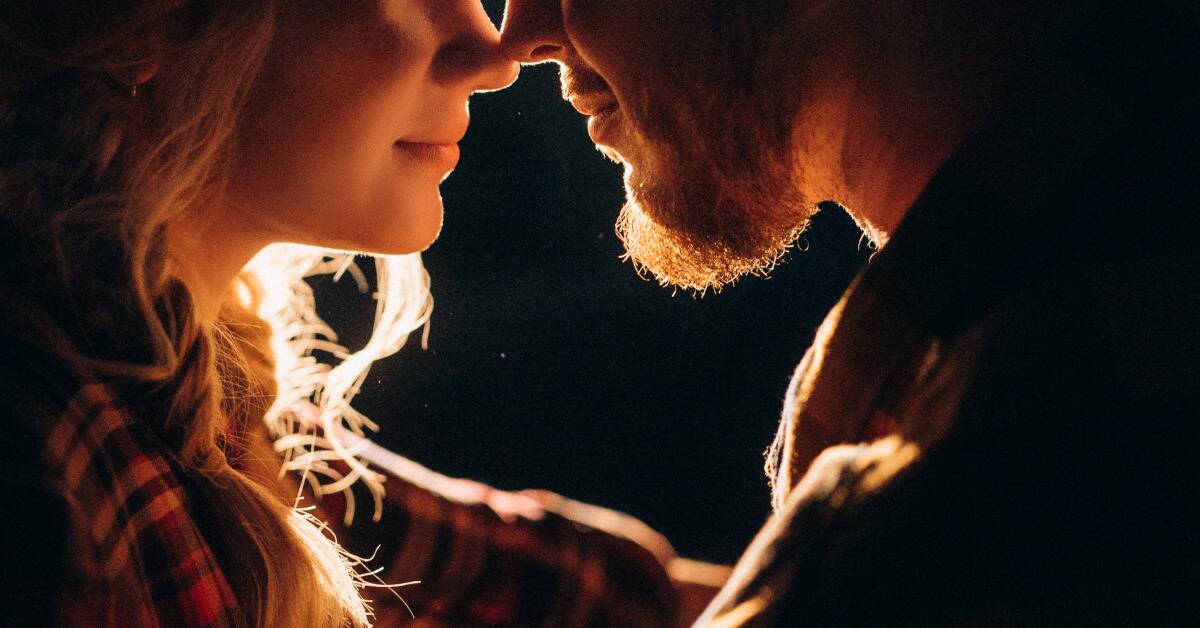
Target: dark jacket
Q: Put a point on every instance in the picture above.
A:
(1032, 331)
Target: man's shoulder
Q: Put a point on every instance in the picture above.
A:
(1118, 329)
(1058, 491)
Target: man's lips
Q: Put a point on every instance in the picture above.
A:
(605, 128)
(603, 119)
(601, 105)
(591, 96)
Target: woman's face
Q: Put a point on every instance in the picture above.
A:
(355, 120)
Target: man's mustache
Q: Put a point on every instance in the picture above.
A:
(581, 81)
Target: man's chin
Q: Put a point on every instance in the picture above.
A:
(611, 154)
(700, 215)
(698, 260)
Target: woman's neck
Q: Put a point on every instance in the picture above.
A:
(209, 255)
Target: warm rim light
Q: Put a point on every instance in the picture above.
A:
(312, 406)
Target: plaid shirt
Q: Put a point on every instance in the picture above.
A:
(489, 557)
(133, 553)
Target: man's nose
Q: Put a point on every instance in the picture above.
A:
(533, 31)
(472, 56)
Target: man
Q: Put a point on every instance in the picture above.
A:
(994, 425)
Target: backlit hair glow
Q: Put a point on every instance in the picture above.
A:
(312, 410)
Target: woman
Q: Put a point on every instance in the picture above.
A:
(149, 151)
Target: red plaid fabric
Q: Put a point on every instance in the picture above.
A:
(135, 555)
(485, 557)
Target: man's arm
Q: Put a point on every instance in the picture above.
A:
(487, 557)
(1060, 492)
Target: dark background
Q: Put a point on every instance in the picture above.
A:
(553, 365)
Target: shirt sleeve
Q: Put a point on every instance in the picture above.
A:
(477, 556)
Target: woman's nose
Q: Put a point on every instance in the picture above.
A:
(533, 31)
(472, 56)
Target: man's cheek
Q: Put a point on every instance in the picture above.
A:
(618, 38)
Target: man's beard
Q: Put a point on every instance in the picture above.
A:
(717, 197)
(713, 186)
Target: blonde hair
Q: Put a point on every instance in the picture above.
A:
(311, 408)
(97, 185)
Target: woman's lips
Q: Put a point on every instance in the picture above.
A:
(444, 157)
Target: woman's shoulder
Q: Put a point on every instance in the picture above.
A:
(35, 385)
(102, 509)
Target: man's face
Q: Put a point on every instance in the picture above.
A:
(697, 98)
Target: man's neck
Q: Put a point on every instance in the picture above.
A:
(886, 183)
(900, 100)
(883, 157)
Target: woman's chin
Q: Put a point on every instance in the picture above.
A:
(392, 227)
(417, 231)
